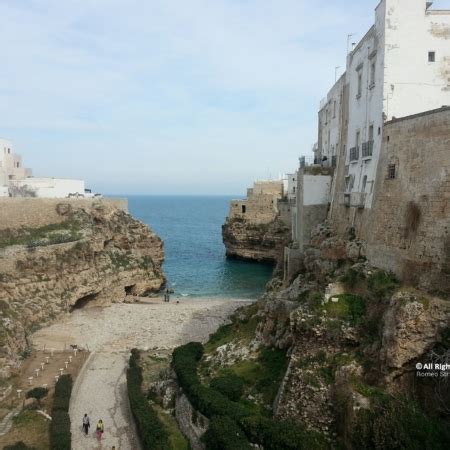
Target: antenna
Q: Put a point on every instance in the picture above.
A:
(349, 37)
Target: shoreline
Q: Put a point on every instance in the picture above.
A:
(146, 323)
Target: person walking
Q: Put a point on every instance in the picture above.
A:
(86, 424)
(100, 429)
(168, 295)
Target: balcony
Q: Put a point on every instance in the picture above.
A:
(354, 154)
(352, 199)
(367, 149)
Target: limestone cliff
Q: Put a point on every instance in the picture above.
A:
(354, 336)
(244, 239)
(93, 254)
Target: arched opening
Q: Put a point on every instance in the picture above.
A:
(83, 301)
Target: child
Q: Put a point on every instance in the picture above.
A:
(100, 429)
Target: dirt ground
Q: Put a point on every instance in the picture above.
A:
(29, 426)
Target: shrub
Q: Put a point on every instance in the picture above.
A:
(225, 434)
(398, 424)
(351, 277)
(206, 400)
(151, 431)
(38, 393)
(60, 436)
(282, 435)
(349, 307)
(228, 417)
(63, 388)
(382, 283)
(18, 446)
(229, 384)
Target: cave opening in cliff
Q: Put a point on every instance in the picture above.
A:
(83, 301)
(129, 289)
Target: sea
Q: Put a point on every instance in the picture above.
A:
(195, 262)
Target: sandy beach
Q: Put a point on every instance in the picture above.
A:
(110, 333)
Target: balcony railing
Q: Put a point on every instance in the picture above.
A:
(367, 149)
(352, 199)
(354, 154)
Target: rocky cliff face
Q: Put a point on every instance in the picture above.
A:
(354, 336)
(95, 255)
(258, 242)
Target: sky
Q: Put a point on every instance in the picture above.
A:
(170, 96)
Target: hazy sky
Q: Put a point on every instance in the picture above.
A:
(169, 96)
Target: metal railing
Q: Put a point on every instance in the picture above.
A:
(354, 154)
(367, 149)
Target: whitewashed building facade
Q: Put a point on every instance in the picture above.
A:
(16, 180)
(399, 68)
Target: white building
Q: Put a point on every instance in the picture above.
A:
(49, 187)
(15, 180)
(399, 68)
(291, 188)
(330, 124)
(11, 167)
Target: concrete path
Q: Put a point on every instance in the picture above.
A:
(111, 332)
(101, 392)
(6, 423)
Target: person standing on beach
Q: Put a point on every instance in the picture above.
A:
(100, 429)
(86, 424)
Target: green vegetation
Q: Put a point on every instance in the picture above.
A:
(57, 233)
(229, 417)
(176, 439)
(229, 384)
(352, 277)
(151, 431)
(225, 434)
(60, 435)
(120, 260)
(38, 393)
(350, 308)
(282, 435)
(382, 284)
(242, 328)
(398, 423)
(18, 446)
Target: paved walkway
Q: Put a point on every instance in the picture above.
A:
(100, 389)
(6, 423)
(101, 392)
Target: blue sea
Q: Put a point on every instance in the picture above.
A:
(195, 264)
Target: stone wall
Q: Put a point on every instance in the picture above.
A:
(410, 223)
(38, 212)
(407, 229)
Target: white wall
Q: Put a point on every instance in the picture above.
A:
(316, 189)
(405, 82)
(330, 122)
(52, 187)
(413, 84)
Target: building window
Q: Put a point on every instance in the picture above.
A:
(392, 174)
(244, 209)
(364, 183)
(334, 109)
(431, 56)
(359, 84)
(372, 74)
